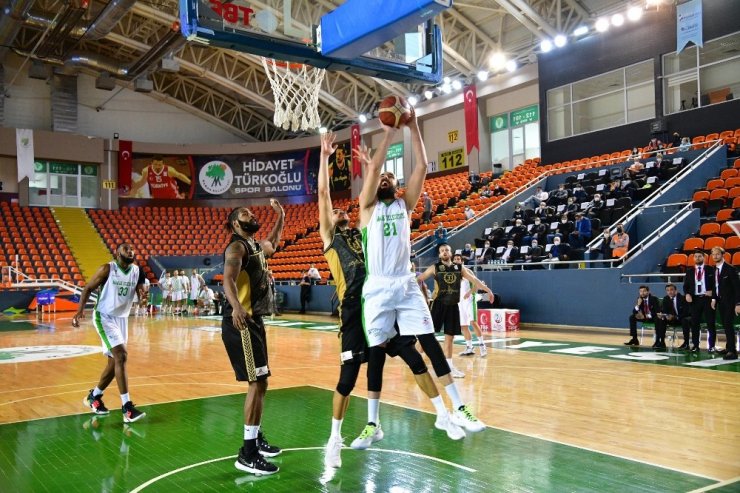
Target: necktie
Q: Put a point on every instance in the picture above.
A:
(645, 306)
(716, 279)
(675, 306)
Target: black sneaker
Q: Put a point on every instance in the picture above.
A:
(130, 413)
(255, 464)
(95, 403)
(265, 448)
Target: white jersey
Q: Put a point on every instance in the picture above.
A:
(386, 240)
(117, 294)
(194, 286)
(175, 284)
(184, 284)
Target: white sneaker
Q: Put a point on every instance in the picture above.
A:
(464, 418)
(456, 373)
(370, 434)
(444, 423)
(483, 351)
(468, 351)
(333, 457)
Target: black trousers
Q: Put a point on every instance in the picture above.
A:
(633, 325)
(701, 306)
(726, 310)
(661, 326)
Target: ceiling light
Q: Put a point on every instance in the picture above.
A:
(511, 65)
(546, 45)
(446, 80)
(412, 100)
(428, 94)
(560, 40)
(322, 130)
(602, 24)
(617, 20)
(482, 75)
(580, 31)
(445, 88)
(363, 118)
(634, 14)
(497, 61)
(456, 85)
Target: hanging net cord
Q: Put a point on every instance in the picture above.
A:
(296, 89)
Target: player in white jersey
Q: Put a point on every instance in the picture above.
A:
(185, 286)
(120, 280)
(175, 292)
(390, 293)
(468, 307)
(165, 284)
(196, 283)
(142, 302)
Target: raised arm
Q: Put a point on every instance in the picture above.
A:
(94, 283)
(429, 272)
(416, 181)
(325, 207)
(477, 283)
(269, 246)
(373, 167)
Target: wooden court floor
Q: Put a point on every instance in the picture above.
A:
(572, 389)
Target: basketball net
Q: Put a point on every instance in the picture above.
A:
(296, 89)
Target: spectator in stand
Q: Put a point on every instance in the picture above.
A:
(537, 232)
(486, 255)
(535, 199)
(645, 310)
(579, 194)
(305, 285)
(467, 254)
(685, 144)
(510, 253)
(636, 168)
(469, 213)
(518, 212)
(518, 232)
(606, 241)
(674, 312)
(635, 154)
(629, 186)
(595, 207)
(426, 215)
(620, 242)
(559, 196)
(440, 234)
(654, 145)
(581, 234)
(615, 191)
(558, 252)
(542, 210)
(499, 190)
(474, 182)
(565, 228)
(314, 273)
(572, 206)
(535, 252)
(676, 141)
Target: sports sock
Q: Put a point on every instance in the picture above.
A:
(469, 343)
(449, 362)
(250, 439)
(336, 427)
(439, 405)
(373, 411)
(451, 390)
(125, 398)
(97, 392)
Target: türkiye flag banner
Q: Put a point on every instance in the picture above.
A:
(355, 141)
(471, 118)
(125, 163)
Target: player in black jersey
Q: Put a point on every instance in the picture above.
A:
(248, 299)
(343, 252)
(445, 310)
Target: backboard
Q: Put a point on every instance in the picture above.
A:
(287, 30)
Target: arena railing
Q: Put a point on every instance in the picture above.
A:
(13, 278)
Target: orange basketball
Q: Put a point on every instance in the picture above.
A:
(394, 111)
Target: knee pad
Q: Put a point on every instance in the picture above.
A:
(348, 373)
(375, 364)
(413, 360)
(435, 354)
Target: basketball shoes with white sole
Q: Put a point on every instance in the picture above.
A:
(464, 418)
(456, 373)
(255, 464)
(370, 434)
(130, 413)
(95, 403)
(468, 351)
(483, 351)
(265, 448)
(333, 454)
(444, 423)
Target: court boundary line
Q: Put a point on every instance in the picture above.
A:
(711, 487)
(551, 440)
(301, 449)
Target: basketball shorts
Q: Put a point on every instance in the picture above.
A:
(165, 294)
(446, 318)
(177, 295)
(351, 335)
(247, 349)
(468, 311)
(393, 300)
(113, 331)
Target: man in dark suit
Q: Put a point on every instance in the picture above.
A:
(675, 312)
(645, 310)
(510, 253)
(726, 299)
(486, 254)
(698, 286)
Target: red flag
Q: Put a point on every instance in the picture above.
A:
(471, 119)
(125, 163)
(355, 141)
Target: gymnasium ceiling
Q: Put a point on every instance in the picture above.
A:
(230, 89)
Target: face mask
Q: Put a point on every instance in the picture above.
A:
(249, 227)
(563, 221)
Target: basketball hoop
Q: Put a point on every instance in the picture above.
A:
(296, 89)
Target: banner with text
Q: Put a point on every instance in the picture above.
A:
(689, 24)
(259, 175)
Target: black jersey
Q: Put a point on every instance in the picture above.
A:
(252, 283)
(346, 262)
(447, 280)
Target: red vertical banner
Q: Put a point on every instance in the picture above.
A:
(471, 119)
(355, 141)
(125, 163)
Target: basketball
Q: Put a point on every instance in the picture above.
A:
(394, 111)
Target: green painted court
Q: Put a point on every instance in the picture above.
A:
(190, 446)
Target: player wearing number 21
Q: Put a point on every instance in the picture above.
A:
(120, 279)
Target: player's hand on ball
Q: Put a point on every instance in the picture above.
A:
(413, 123)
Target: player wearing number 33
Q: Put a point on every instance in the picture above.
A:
(120, 279)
